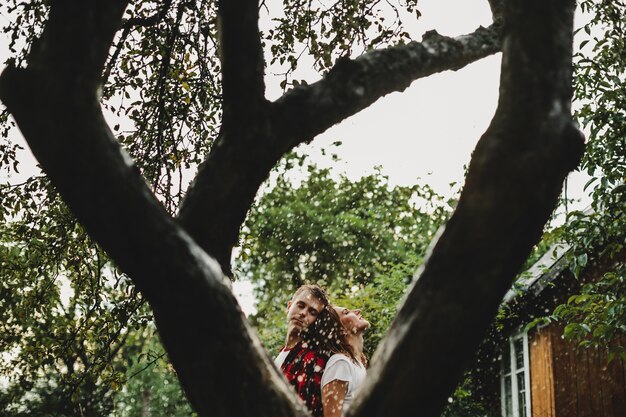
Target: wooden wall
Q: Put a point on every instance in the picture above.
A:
(540, 350)
(567, 381)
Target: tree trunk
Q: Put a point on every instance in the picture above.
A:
(512, 186)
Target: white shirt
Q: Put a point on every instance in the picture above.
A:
(341, 367)
(280, 358)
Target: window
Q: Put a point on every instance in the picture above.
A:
(515, 378)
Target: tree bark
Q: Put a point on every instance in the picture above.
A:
(513, 183)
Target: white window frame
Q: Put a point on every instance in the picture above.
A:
(513, 371)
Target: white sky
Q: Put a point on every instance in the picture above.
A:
(430, 129)
(427, 131)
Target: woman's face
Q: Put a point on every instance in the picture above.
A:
(352, 319)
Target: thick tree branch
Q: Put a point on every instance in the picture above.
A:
(77, 61)
(353, 85)
(242, 61)
(54, 100)
(218, 200)
(227, 183)
(513, 184)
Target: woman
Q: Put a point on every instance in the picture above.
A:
(345, 370)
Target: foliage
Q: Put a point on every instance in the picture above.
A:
(601, 94)
(326, 31)
(463, 403)
(164, 78)
(69, 335)
(596, 314)
(357, 239)
(61, 331)
(151, 387)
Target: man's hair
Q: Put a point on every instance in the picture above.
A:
(314, 290)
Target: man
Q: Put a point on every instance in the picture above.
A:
(299, 359)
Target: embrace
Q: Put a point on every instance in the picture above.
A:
(323, 354)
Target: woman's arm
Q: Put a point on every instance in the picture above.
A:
(333, 395)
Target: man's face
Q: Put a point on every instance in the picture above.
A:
(302, 311)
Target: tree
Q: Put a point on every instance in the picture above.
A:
(54, 98)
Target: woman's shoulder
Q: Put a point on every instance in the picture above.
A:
(339, 367)
(340, 359)
(336, 357)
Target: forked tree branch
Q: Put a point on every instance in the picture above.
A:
(243, 63)
(531, 143)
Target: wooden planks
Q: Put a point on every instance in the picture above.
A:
(564, 402)
(614, 381)
(568, 381)
(541, 373)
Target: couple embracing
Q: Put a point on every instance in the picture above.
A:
(323, 354)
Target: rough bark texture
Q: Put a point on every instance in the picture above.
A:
(512, 186)
(531, 144)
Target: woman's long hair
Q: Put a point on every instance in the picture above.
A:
(327, 335)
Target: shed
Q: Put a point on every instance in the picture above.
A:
(542, 374)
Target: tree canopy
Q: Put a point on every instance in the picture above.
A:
(188, 76)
